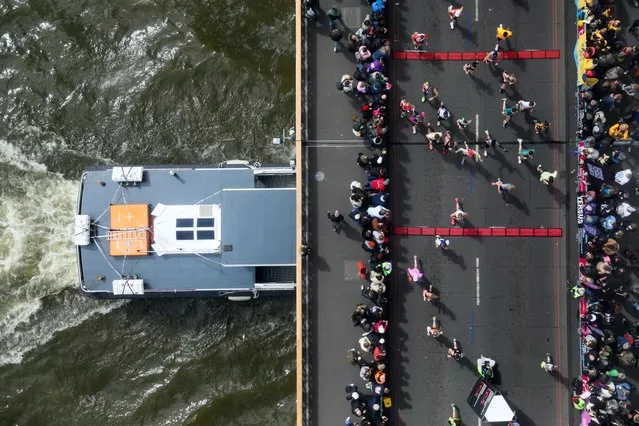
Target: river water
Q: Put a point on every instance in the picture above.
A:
(134, 82)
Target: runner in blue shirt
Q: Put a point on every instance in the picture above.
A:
(507, 112)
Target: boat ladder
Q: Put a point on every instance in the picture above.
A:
(136, 234)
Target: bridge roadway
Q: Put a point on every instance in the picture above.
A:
(501, 297)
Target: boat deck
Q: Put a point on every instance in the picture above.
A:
(503, 297)
(248, 217)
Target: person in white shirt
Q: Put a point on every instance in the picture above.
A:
(441, 243)
(377, 212)
(526, 105)
(623, 177)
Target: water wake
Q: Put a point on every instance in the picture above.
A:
(36, 255)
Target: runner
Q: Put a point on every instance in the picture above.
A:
(462, 123)
(546, 177)
(492, 56)
(455, 352)
(524, 153)
(470, 68)
(441, 243)
(406, 108)
(414, 273)
(429, 295)
(548, 365)
(541, 126)
(417, 120)
(432, 136)
(454, 419)
(443, 114)
(434, 330)
(507, 79)
(458, 216)
(468, 152)
(526, 105)
(449, 143)
(507, 112)
(453, 14)
(503, 33)
(418, 40)
(429, 92)
(503, 188)
(490, 142)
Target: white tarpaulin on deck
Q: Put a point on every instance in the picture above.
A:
(498, 410)
(488, 403)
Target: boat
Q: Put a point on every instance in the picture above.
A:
(152, 231)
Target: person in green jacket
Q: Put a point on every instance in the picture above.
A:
(334, 14)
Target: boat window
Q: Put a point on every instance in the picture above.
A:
(183, 235)
(205, 235)
(184, 223)
(206, 222)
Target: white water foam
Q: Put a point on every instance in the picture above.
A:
(37, 258)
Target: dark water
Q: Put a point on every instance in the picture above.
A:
(87, 82)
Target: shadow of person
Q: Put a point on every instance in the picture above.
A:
(496, 71)
(512, 200)
(521, 63)
(483, 86)
(468, 34)
(442, 309)
(318, 263)
(522, 3)
(559, 196)
(505, 162)
(350, 231)
(530, 118)
(512, 93)
(466, 362)
(455, 258)
(521, 132)
(563, 380)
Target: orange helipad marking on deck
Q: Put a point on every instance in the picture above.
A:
(478, 232)
(467, 56)
(129, 231)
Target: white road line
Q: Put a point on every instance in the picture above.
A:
(477, 278)
(476, 10)
(476, 127)
(478, 421)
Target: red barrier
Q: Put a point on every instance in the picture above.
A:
(429, 232)
(484, 232)
(469, 56)
(470, 232)
(526, 232)
(555, 232)
(478, 232)
(400, 230)
(499, 232)
(444, 232)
